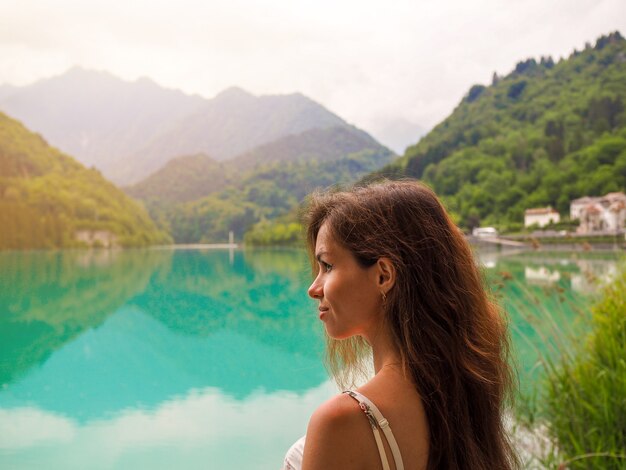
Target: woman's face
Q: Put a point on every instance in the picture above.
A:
(349, 297)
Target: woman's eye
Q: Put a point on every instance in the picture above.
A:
(327, 267)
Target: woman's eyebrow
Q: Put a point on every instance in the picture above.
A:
(320, 254)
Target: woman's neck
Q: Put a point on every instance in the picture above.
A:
(384, 351)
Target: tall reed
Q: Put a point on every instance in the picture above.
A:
(581, 401)
(585, 396)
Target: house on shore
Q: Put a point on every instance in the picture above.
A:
(540, 216)
(98, 238)
(605, 214)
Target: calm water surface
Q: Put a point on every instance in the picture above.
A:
(202, 359)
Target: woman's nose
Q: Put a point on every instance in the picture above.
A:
(316, 291)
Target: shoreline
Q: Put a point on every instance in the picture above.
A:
(197, 246)
(552, 244)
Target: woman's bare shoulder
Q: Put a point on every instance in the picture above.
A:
(335, 435)
(340, 409)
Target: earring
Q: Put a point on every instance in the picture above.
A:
(384, 297)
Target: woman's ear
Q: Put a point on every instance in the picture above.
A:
(386, 273)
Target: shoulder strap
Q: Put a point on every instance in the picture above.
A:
(377, 420)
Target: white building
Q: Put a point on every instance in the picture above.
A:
(577, 206)
(540, 216)
(600, 214)
(102, 238)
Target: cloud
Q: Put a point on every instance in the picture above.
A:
(366, 60)
(203, 428)
(22, 428)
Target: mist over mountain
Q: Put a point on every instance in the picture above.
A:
(6, 90)
(95, 116)
(231, 123)
(191, 177)
(322, 145)
(204, 167)
(397, 134)
(128, 130)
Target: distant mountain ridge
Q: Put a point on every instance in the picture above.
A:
(7, 90)
(129, 130)
(321, 144)
(94, 116)
(198, 199)
(231, 123)
(187, 178)
(266, 192)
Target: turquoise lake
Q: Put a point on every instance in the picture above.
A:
(204, 359)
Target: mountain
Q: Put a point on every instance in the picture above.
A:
(48, 200)
(231, 123)
(397, 134)
(545, 134)
(7, 90)
(128, 130)
(95, 116)
(187, 178)
(184, 179)
(323, 145)
(265, 193)
(199, 199)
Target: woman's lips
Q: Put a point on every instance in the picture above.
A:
(322, 310)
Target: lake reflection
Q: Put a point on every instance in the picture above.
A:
(141, 358)
(204, 429)
(198, 359)
(547, 296)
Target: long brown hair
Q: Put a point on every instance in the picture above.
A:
(451, 337)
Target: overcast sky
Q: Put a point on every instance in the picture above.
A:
(375, 63)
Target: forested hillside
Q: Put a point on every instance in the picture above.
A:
(49, 200)
(321, 144)
(183, 179)
(226, 126)
(266, 153)
(543, 135)
(200, 200)
(188, 178)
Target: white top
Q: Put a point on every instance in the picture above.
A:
(293, 459)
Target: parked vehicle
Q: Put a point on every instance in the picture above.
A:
(484, 232)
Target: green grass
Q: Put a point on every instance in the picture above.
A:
(586, 392)
(582, 400)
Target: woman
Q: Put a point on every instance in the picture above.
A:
(396, 282)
